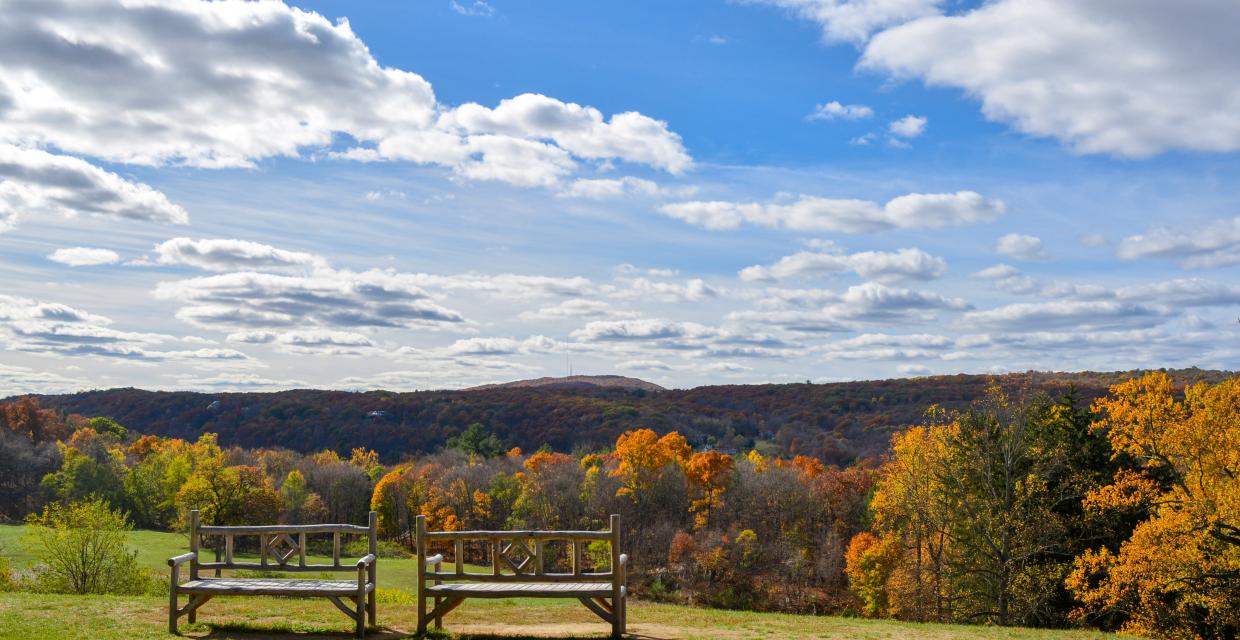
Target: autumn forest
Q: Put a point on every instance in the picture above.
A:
(1028, 503)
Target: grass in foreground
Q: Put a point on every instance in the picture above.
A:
(39, 616)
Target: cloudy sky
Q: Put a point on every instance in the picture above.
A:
(442, 193)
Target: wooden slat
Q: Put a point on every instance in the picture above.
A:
(291, 568)
(505, 577)
(272, 587)
(496, 555)
(301, 549)
(336, 548)
(262, 542)
(519, 535)
(284, 528)
(523, 590)
(538, 557)
(458, 554)
(228, 549)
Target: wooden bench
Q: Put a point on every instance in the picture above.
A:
(281, 548)
(518, 571)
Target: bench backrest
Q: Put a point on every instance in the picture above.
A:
(516, 556)
(282, 547)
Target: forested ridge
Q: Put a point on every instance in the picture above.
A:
(1032, 504)
(838, 423)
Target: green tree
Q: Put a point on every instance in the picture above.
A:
(476, 440)
(83, 549)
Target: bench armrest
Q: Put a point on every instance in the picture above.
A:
(366, 560)
(435, 559)
(624, 559)
(182, 559)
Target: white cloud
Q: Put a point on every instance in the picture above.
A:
(501, 346)
(227, 84)
(640, 329)
(811, 213)
(1067, 314)
(882, 266)
(572, 309)
(692, 290)
(233, 255)
(1021, 247)
(835, 111)
(909, 126)
(581, 131)
(84, 256)
(866, 304)
(328, 298)
(854, 20)
(607, 188)
(49, 327)
(1212, 245)
(1102, 77)
(37, 182)
(475, 8)
(1008, 278)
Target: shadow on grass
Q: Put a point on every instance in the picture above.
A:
(245, 631)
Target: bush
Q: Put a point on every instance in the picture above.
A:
(6, 575)
(83, 548)
(386, 549)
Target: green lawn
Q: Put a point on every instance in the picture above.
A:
(25, 615)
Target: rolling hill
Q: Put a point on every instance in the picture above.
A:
(839, 422)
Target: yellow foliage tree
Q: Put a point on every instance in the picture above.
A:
(643, 456)
(1178, 576)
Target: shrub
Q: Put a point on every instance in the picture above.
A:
(83, 548)
(6, 575)
(386, 549)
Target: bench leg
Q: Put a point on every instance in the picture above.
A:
(361, 614)
(371, 609)
(421, 614)
(172, 610)
(439, 618)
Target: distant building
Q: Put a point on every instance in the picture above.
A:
(376, 414)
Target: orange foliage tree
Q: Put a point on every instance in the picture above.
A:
(707, 473)
(643, 456)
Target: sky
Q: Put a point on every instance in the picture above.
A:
(438, 194)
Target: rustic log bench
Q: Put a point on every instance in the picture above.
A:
(281, 548)
(518, 571)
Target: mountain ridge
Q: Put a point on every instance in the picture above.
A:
(840, 422)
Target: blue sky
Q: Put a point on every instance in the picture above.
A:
(441, 194)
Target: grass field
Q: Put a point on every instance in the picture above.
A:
(39, 616)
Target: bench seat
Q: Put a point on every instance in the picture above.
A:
(522, 589)
(272, 587)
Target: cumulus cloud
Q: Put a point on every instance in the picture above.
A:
(233, 255)
(1008, 278)
(854, 20)
(835, 111)
(328, 298)
(501, 346)
(692, 290)
(883, 346)
(1102, 77)
(811, 213)
(1212, 245)
(36, 182)
(49, 327)
(84, 256)
(869, 303)
(572, 309)
(476, 8)
(1065, 314)
(909, 126)
(226, 84)
(882, 266)
(609, 188)
(1021, 247)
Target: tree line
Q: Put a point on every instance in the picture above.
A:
(1023, 507)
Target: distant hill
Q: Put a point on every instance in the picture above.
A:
(839, 422)
(575, 382)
